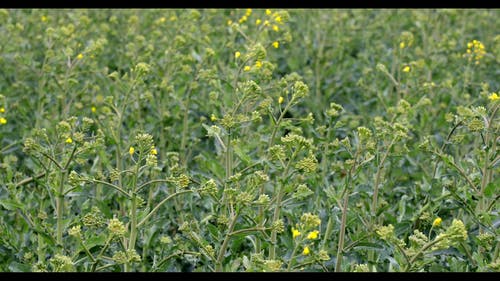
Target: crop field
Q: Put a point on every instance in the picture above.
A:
(249, 140)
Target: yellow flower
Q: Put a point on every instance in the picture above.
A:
(249, 12)
(494, 97)
(306, 251)
(213, 118)
(3, 121)
(280, 100)
(437, 222)
(276, 44)
(406, 68)
(402, 45)
(93, 109)
(43, 18)
(163, 19)
(237, 55)
(295, 233)
(246, 68)
(173, 18)
(153, 151)
(268, 12)
(131, 150)
(2, 110)
(278, 19)
(266, 23)
(276, 28)
(69, 140)
(229, 22)
(258, 64)
(313, 235)
(80, 56)
(243, 19)
(258, 21)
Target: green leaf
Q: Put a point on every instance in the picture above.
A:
(11, 204)
(19, 267)
(369, 246)
(242, 155)
(94, 241)
(489, 190)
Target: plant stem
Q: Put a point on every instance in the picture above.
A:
(159, 205)
(292, 257)
(340, 247)
(60, 208)
(133, 212)
(425, 247)
(222, 251)
(377, 179)
(277, 208)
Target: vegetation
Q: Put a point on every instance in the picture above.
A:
(249, 140)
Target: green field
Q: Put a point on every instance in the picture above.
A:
(313, 140)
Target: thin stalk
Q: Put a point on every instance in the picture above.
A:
(425, 247)
(377, 178)
(222, 251)
(340, 247)
(60, 211)
(159, 205)
(292, 257)
(133, 212)
(277, 208)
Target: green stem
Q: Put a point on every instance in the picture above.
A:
(110, 185)
(245, 230)
(277, 208)
(377, 178)
(106, 245)
(159, 205)
(425, 247)
(222, 251)
(292, 257)
(60, 208)
(30, 179)
(343, 223)
(133, 212)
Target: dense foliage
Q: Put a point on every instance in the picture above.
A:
(249, 140)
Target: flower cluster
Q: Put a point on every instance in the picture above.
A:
(475, 51)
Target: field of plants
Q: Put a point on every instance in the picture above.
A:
(249, 140)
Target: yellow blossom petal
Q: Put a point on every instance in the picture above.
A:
(295, 233)
(306, 251)
(3, 121)
(281, 100)
(313, 235)
(131, 150)
(494, 97)
(237, 54)
(69, 140)
(276, 44)
(437, 222)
